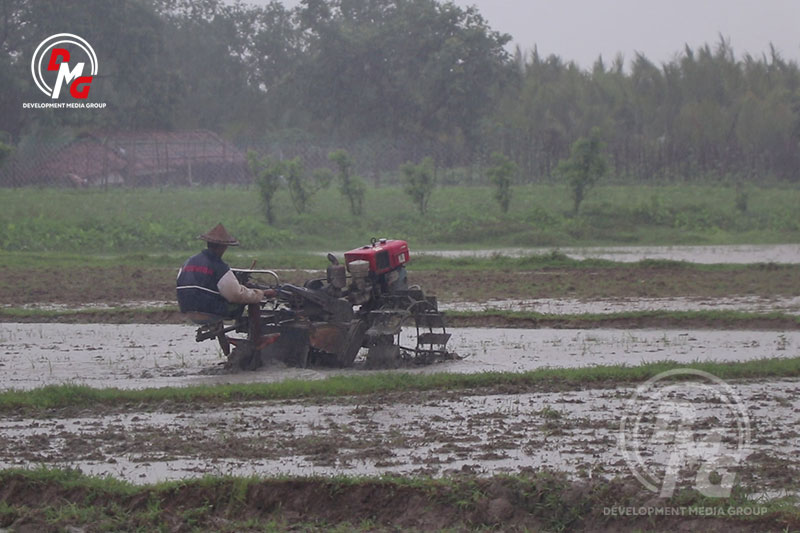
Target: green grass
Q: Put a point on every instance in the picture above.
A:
(305, 260)
(546, 500)
(37, 402)
(287, 259)
(298, 259)
(166, 220)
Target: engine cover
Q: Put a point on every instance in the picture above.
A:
(383, 255)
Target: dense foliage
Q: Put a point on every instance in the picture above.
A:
(421, 73)
(501, 175)
(584, 167)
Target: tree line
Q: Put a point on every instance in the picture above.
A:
(423, 72)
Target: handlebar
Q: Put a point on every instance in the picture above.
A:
(247, 272)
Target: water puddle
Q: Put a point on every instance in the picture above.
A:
(751, 253)
(94, 306)
(149, 356)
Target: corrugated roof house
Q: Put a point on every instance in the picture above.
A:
(81, 163)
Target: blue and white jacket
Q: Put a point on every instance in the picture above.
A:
(198, 284)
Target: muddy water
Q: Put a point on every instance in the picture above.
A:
(560, 306)
(557, 306)
(572, 431)
(768, 253)
(94, 306)
(148, 356)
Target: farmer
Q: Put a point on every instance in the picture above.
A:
(207, 289)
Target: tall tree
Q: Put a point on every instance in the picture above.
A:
(400, 67)
(134, 79)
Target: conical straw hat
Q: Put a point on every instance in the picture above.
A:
(219, 235)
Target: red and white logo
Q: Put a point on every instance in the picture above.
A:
(59, 62)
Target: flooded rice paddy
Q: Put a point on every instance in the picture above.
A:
(437, 433)
(434, 433)
(556, 306)
(740, 254)
(569, 306)
(409, 434)
(148, 356)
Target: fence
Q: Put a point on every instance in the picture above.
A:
(201, 157)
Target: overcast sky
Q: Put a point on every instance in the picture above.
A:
(581, 30)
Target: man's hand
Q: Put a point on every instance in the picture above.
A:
(270, 293)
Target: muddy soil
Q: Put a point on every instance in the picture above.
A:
(531, 502)
(561, 447)
(789, 305)
(109, 297)
(441, 433)
(114, 285)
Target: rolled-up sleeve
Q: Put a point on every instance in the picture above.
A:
(233, 291)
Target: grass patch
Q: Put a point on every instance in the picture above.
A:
(286, 259)
(547, 501)
(168, 219)
(37, 402)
